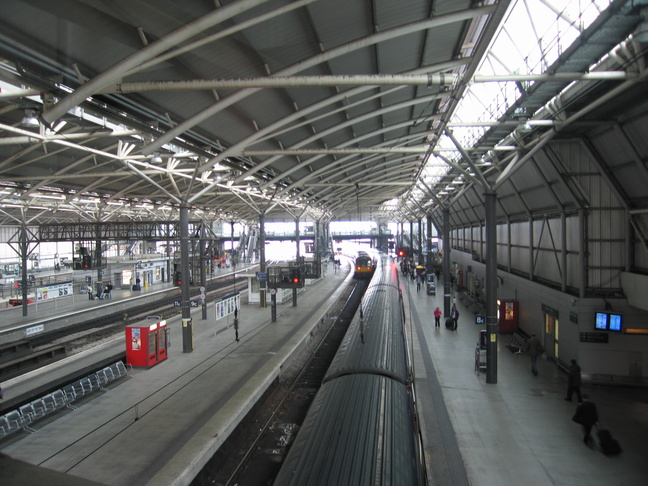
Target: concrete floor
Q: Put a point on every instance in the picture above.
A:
(519, 430)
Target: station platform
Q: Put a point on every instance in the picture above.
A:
(12, 318)
(518, 430)
(158, 426)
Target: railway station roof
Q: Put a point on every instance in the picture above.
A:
(323, 109)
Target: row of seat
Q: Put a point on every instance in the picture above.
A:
(516, 341)
(24, 416)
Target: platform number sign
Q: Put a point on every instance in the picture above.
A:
(480, 320)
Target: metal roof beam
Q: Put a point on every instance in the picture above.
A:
(342, 50)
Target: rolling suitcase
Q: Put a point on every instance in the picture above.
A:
(449, 324)
(609, 445)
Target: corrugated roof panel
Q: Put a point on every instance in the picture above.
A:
(337, 22)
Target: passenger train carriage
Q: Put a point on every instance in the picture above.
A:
(361, 428)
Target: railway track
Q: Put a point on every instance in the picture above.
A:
(254, 451)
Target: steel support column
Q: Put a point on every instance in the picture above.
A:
(23, 245)
(428, 241)
(263, 284)
(582, 252)
(491, 287)
(203, 269)
(187, 324)
(420, 241)
(411, 238)
(447, 290)
(297, 253)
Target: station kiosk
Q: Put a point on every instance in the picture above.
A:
(146, 343)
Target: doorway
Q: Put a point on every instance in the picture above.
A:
(551, 336)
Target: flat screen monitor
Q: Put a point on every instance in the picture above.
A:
(601, 322)
(608, 321)
(615, 322)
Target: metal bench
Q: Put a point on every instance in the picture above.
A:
(23, 417)
(14, 421)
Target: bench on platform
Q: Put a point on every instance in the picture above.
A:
(27, 414)
(516, 342)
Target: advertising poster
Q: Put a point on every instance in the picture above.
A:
(227, 305)
(136, 339)
(61, 289)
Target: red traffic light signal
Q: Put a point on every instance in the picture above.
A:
(86, 261)
(401, 253)
(295, 275)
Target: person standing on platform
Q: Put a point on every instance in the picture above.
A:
(418, 282)
(586, 415)
(574, 381)
(100, 291)
(534, 349)
(454, 315)
(108, 293)
(437, 317)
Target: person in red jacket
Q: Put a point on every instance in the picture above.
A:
(437, 317)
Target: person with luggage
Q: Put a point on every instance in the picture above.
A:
(573, 381)
(437, 317)
(454, 315)
(586, 415)
(534, 349)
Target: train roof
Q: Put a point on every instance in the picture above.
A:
(373, 343)
(341, 442)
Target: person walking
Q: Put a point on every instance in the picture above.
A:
(418, 282)
(454, 315)
(437, 317)
(534, 349)
(586, 415)
(573, 381)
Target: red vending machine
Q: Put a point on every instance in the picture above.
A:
(507, 315)
(146, 344)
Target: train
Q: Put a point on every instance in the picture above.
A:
(361, 428)
(364, 265)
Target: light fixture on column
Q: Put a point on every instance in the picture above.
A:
(30, 120)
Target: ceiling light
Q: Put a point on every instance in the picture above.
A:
(156, 159)
(30, 119)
